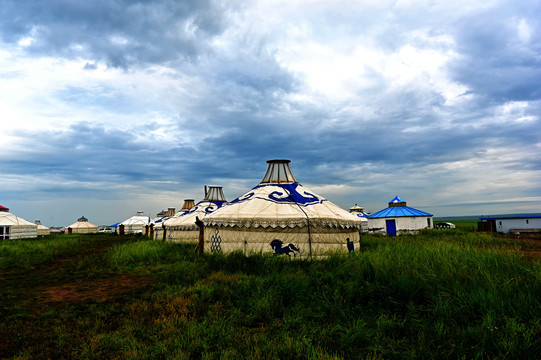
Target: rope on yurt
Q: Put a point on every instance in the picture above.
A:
(307, 219)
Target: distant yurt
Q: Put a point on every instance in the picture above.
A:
(42, 229)
(399, 218)
(279, 212)
(82, 226)
(182, 226)
(136, 223)
(359, 212)
(14, 227)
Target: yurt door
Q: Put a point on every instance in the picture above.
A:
(391, 227)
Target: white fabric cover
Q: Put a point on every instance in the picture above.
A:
(82, 227)
(19, 228)
(283, 211)
(136, 223)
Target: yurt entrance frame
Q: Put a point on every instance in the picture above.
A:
(391, 226)
(4, 232)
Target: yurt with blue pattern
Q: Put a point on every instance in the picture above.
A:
(399, 218)
(182, 227)
(280, 215)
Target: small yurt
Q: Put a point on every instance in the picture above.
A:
(399, 218)
(279, 212)
(182, 226)
(42, 229)
(82, 226)
(157, 224)
(14, 227)
(136, 223)
(359, 212)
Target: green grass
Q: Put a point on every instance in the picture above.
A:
(24, 252)
(438, 294)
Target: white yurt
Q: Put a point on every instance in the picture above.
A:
(281, 209)
(14, 227)
(182, 228)
(398, 219)
(82, 226)
(158, 222)
(136, 223)
(42, 229)
(359, 212)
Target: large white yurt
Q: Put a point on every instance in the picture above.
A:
(42, 229)
(398, 219)
(14, 227)
(82, 226)
(280, 208)
(183, 228)
(136, 223)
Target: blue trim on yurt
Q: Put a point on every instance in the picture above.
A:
(115, 225)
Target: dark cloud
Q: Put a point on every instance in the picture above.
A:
(120, 33)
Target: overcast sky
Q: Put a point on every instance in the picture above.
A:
(110, 107)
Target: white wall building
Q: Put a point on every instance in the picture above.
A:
(514, 224)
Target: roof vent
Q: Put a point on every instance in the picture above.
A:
(188, 204)
(397, 202)
(3, 209)
(82, 219)
(278, 171)
(215, 193)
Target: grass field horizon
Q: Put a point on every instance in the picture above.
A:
(437, 294)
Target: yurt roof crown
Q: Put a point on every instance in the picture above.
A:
(278, 171)
(3, 209)
(188, 204)
(397, 202)
(82, 219)
(214, 193)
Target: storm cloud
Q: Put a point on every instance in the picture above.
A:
(116, 106)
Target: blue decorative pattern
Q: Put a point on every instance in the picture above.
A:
(206, 207)
(215, 242)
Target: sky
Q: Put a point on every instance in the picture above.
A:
(108, 107)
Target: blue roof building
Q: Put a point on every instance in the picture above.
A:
(399, 218)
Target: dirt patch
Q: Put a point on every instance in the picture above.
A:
(96, 290)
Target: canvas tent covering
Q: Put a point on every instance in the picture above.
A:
(136, 223)
(182, 227)
(399, 218)
(280, 208)
(82, 226)
(14, 227)
(42, 230)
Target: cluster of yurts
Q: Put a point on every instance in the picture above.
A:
(278, 208)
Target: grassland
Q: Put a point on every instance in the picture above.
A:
(439, 294)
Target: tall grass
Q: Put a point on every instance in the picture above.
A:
(439, 294)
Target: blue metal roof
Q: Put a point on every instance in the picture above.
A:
(398, 211)
(396, 200)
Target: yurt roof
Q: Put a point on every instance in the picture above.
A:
(82, 223)
(280, 201)
(3, 209)
(9, 219)
(214, 200)
(138, 219)
(397, 208)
